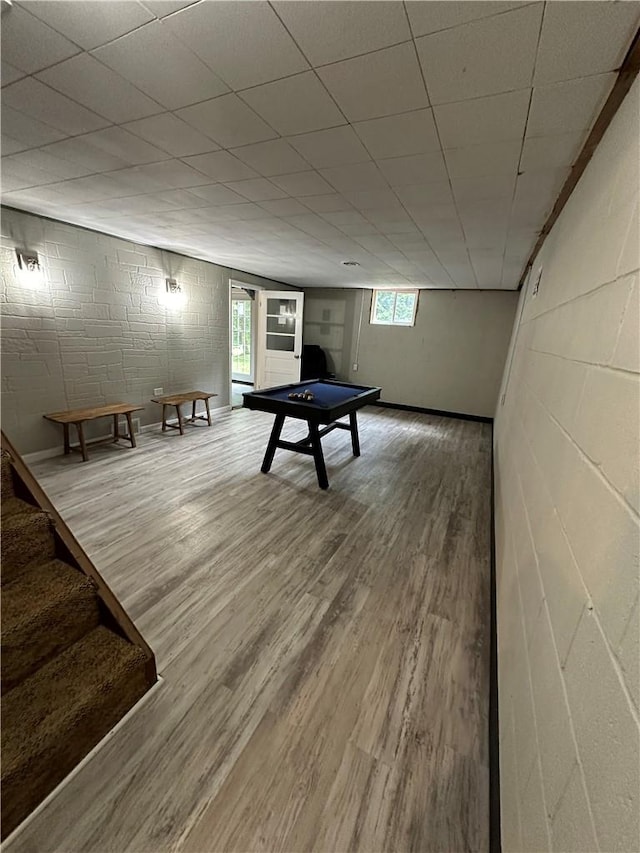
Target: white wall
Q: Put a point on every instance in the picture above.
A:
(452, 359)
(99, 329)
(567, 525)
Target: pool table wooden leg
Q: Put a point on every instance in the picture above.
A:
(318, 456)
(355, 441)
(273, 443)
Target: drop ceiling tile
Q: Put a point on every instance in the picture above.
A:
(338, 146)
(227, 120)
(361, 176)
(221, 166)
(90, 24)
(496, 118)
(217, 194)
(294, 105)
(162, 8)
(377, 84)
(478, 161)
(45, 161)
(327, 203)
(430, 17)
(302, 184)
(426, 195)
(373, 199)
(497, 186)
(566, 107)
(9, 74)
(584, 38)
(44, 104)
(27, 130)
(244, 43)
(18, 173)
(401, 135)
(275, 157)
(172, 135)
(257, 189)
(174, 173)
(416, 169)
(10, 146)
(545, 152)
(29, 44)
(461, 63)
(105, 150)
(351, 28)
(97, 87)
(161, 66)
(284, 207)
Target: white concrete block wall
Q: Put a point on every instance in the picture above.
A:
(99, 327)
(567, 442)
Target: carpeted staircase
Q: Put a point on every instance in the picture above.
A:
(71, 667)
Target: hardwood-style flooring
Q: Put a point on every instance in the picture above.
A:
(325, 655)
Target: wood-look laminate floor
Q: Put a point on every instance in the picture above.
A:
(325, 655)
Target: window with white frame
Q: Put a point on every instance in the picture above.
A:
(394, 307)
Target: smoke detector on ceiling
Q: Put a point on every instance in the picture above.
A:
(350, 264)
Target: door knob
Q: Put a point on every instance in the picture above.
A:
(296, 356)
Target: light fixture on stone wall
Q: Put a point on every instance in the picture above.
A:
(31, 273)
(172, 286)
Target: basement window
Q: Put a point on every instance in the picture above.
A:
(394, 307)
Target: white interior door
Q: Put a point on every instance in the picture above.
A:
(279, 337)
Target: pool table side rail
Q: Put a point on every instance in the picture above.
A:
(262, 401)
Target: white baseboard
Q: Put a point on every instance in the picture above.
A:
(39, 455)
(100, 745)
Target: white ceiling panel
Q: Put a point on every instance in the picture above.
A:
(377, 84)
(244, 43)
(97, 87)
(338, 146)
(302, 184)
(297, 104)
(430, 17)
(161, 66)
(25, 129)
(583, 38)
(401, 135)
(221, 166)
(227, 120)
(350, 29)
(275, 157)
(496, 118)
(28, 44)
(566, 107)
(143, 137)
(550, 152)
(44, 104)
(90, 24)
(416, 169)
(478, 161)
(460, 63)
(361, 176)
(9, 74)
(257, 189)
(172, 134)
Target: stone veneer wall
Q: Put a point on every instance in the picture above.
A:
(99, 328)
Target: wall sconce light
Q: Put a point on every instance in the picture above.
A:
(28, 261)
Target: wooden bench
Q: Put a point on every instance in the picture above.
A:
(78, 417)
(177, 400)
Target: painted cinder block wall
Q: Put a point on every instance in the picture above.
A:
(567, 524)
(98, 328)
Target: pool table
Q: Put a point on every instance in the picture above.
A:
(331, 400)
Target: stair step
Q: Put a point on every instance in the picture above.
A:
(55, 717)
(44, 611)
(6, 475)
(27, 537)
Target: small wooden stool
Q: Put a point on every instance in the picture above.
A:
(177, 400)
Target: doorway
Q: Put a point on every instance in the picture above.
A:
(243, 325)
